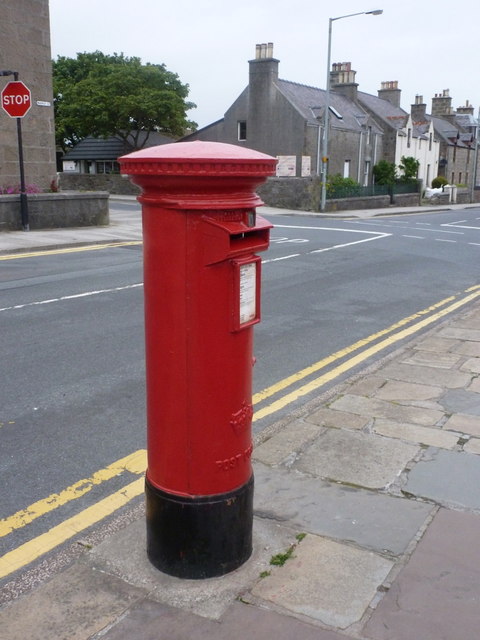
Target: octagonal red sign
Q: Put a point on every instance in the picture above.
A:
(16, 99)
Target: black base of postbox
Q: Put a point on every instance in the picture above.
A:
(201, 537)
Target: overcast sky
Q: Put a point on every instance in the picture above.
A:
(424, 44)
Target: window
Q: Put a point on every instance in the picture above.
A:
(430, 140)
(106, 166)
(242, 129)
(409, 138)
(346, 169)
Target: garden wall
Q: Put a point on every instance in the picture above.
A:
(52, 210)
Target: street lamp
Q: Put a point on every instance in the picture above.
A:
(326, 117)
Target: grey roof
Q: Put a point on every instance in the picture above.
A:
(310, 102)
(465, 120)
(91, 148)
(394, 116)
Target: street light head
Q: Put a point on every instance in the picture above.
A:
(375, 12)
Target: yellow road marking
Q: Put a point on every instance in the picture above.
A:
(52, 252)
(30, 551)
(135, 463)
(358, 359)
(321, 364)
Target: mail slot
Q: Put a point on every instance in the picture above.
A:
(202, 286)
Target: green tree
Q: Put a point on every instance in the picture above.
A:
(409, 166)
(113, 95)
(385, 172)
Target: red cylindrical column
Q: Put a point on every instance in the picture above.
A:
(201, 235)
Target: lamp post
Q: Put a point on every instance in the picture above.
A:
(326, 117)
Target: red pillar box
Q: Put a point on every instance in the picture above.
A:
(201, 235)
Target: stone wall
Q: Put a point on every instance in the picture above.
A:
(287, 193)
(54, 210)
(113, 183)
(25, 48)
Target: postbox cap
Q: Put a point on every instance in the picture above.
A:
(198, 158)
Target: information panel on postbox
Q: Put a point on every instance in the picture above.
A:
(236, 236)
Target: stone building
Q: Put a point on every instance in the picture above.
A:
(285, 119)
(25, 48)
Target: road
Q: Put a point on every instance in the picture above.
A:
(336, 293)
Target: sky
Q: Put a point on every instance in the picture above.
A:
(426, 46)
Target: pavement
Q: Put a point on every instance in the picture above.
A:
(367, 499)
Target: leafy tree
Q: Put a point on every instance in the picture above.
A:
(113, 95)
(409, 166)
(385, 172)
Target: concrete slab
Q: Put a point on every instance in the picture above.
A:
(462, 401)
(287, 443)
(373, 408)
(372, 520)
(358, 459)
(74, 605)
(420, 435)
(436, 595)
(441, 360)
(472, 446)
(367, 386)
(123, 555)
(437, 344)
(398, 390)
(327, 581)
(326, 417)
(475, 385)
(469, 349)
(447, 477)
(464, 423)
(436, 377)
(459, 333)
(157, 621)
(472, 365)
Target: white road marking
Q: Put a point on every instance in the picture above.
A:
(349, 244)
(294, 255)
(86, 294)
(457, 225)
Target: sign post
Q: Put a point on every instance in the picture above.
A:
(16, 101)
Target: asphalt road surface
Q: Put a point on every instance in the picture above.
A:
(72, 417)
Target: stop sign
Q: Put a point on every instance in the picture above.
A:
(16, 99)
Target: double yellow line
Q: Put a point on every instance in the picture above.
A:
(136, 462)
(75, 249)
(289, 398)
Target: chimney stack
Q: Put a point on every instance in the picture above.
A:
(342, 79)
(442, 105)
(389, 91)
(264, 51)
(467, 109)
(418, 110)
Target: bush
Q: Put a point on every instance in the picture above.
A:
(438, 182)
(15, 189)
(337, 185)
(385, 172)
